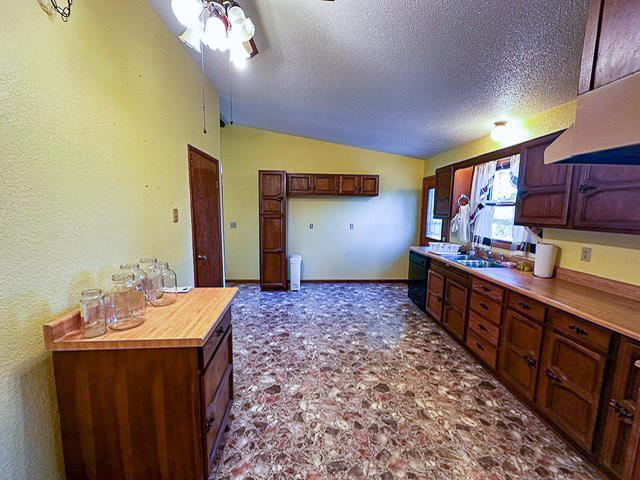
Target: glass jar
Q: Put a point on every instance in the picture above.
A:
(93, 310)
(138, 274)
(146, 264)
(128, 302)
(165, 285)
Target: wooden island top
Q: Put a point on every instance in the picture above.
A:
(187, 323)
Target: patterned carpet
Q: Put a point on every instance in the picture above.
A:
(353, 381)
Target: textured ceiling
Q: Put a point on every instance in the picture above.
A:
(409, 77)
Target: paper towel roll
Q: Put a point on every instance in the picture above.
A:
(545, 260)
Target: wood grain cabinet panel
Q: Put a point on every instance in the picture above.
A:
(349, 184)
(487, 330)
(435, 294)
(482, 348)
(520, 353)
(544, 191)
(325, 184)
(444, 188)
(272, 238)
(527, 306)
(489, 309)
(299, 184)
(570, 386)
(607, 198)
(369, 185)
(272, 192)
(454, 318)
(622, 408)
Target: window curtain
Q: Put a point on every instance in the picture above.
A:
(521, 235)
(481, 213)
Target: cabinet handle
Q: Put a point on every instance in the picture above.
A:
(484, 306)
(553, 376)
(529, 359)
(480, 347)
(637, 364)
(619, 410)
(439, 298)
(578, 331)
(524, 306)
(485, 289)
(210, 422)
(202, 257)
(584, 187)
(482, 327)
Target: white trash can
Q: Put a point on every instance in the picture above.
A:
(295, 261)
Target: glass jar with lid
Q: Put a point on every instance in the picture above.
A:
(146, 265)
(165, 285)
(128, 302)
(93, 310)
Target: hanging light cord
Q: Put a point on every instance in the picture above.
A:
(230, 92)
(64, 12)
(204, 107)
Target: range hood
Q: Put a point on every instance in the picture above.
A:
(607, 127)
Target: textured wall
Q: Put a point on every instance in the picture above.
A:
(613, 256)
(385, 226)
(95, 116)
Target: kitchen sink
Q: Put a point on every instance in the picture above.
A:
(479, 263)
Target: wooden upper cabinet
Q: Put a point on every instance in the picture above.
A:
(369, 185)
(622, 407)
(454, 317)
(544, 191)
(444, 187)
(349, 184)
(299, 183)
(570, 387)
(272, 184)
(607, 198)
(611, 43)
(435, 293)
(325, 184)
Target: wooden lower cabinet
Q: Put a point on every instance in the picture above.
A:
(520, 353)
(454, 317)
(621, 408)
(570, 387)
(435, 294)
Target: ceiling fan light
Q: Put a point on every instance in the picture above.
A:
(187, 11)
(500, 131)
(215, 34)
(235, 14)
(238, 54)
(193, 38)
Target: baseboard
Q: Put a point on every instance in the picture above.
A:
(394, 280)
(242, 281)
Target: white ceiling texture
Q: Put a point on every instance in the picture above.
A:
(403, 76)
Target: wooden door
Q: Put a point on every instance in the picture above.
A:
(622, 407)
(206, 223)
(454, 318)
(435, 292)
(369, 185)
(273, 229)
(444, 181)
(349, 184)
(299, 183)
(570, 386)
(607, 198)
(520, 353)
(325, 184)
(544, 191)
(611, 43)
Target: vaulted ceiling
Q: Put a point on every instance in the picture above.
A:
(403, 76)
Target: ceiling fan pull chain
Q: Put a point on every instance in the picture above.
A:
(204, 107)
(64, 12)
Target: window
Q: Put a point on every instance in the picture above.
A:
(503, 196)
(434, 225)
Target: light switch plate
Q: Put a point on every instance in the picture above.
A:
(233, 225)
(585, 255)
(311, 226)
(175, 215)
(351, 226)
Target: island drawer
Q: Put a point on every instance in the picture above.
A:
(531, 308)
(214, 339)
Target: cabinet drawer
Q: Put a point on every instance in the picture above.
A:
(584, 332)
(214, 339)
(217, 410)
(489, 290)
(216, 369)
(484, 328)
(531, 308)
(485, 307)
(483, 349)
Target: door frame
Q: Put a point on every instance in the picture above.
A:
(191, 149)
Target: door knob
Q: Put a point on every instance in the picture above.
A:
(202, 257)
(584, 188)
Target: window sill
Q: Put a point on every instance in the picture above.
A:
(501, 244)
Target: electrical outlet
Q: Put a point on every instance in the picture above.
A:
(585, 255)
(233, 225)
(311, 226)
(175, 215)
(351, 227)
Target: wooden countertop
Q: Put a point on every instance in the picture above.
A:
(186, 323)
(617, 313)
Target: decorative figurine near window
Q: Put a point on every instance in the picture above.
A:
(64, 12)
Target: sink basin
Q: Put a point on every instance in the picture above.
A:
(479, 263)
(457, 257)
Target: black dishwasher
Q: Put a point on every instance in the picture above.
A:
(418, 268)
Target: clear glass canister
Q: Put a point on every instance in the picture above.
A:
(138, 274)
(165, 285)
(146, 265)
(93, 310)
(128, 302)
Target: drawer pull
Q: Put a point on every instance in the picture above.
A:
(484, 306)
(578, 331)
(530, 360)
(484, 288)
(551, 375)
(619, 410)
(637, 364)
(482, 327)
(210, 422)
(479, 347)
(524, 306)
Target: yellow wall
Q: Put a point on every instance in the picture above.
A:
(95, 116)
(385, 226)
(613, 256)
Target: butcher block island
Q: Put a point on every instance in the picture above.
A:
(150, 402)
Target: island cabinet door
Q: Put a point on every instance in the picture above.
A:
(622, 407)
(520, 353)
(570, 387)
(435, 292)
(454, 318)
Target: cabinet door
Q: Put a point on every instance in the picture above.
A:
(454, 318)
(435, 291)
(349, 184)
(442, 204)
(299, 183)
(520, 353)
(325, 184)
(622, 407)
(570, 386)
(369, 185)
(544, 191)
(611, 43)
(272, 189)
(607, 198)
